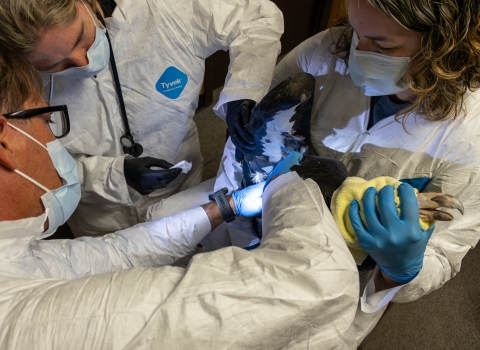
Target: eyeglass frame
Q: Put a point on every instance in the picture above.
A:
(29, 113)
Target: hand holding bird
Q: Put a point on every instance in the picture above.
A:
(280, 124)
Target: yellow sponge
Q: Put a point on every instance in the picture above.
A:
(353, 188)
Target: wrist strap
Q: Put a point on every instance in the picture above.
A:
(223, 205)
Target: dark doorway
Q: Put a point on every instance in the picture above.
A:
(302, 20)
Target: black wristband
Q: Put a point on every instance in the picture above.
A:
(223, 205)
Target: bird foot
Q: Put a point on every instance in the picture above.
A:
(429, 204)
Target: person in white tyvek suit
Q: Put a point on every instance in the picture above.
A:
(364, 72)
(160, 47)
(299, 289)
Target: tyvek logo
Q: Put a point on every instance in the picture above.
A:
(172, 82)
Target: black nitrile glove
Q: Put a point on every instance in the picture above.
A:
(144, 180)
(238, 115)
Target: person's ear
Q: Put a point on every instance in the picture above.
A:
(7, 157)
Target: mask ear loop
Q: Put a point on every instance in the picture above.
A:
(91, 16)
(31, 180)
(18, 171)
(27, 135)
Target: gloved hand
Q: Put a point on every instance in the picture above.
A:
(419, 182)
(144, 180)
(294, 158)
(248, 201)
(238, 115)
(397, 244)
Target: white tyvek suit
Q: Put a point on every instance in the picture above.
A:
(238, 233)
(157, 44)
(299, 289)
(447, 153)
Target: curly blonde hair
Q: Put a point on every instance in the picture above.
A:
(23, 22)
(450, 61)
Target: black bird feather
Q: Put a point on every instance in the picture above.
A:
(328, 173)
(296, 91)
(276, 136)
(268, 124)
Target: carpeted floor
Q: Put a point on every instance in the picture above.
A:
(446, 319)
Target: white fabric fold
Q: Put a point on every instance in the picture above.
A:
(299, 289)
(447, 153)
(154, 43)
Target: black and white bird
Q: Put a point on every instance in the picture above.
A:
(280, 124)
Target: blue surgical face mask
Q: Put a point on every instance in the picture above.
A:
(377, 74)
(62, 202)
(98, 56)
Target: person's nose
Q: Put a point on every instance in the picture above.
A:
(79, 58)
(364, 44)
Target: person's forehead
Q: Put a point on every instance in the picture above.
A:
(56, 42)
(363, 16)
(35, 102)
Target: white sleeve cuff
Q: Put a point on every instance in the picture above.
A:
(279, 183)
(372, 302)
(203, 223)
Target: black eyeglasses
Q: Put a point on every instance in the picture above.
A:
(59, 121)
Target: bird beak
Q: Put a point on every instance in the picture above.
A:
(428, 204)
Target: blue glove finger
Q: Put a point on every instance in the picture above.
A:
(408, 203)
(387, 208)
(372, 219)
(294, 158)
(364, 237)
(248, 201)
(419, 183)
(427, 234)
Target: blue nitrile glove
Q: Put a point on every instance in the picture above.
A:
(238, 115)
(294, 158)
(397, 244)
(418, 182)
(248, 202)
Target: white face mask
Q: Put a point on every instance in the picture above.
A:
(377, 74)
(62, 202)
(98, 56)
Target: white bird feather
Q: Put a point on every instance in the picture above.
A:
(273, 140)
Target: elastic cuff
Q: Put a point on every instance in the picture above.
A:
(403, 274)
